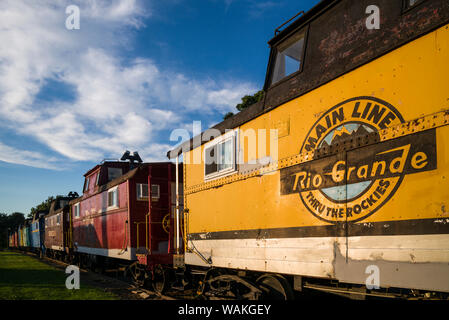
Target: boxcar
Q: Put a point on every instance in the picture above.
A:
(341, 171)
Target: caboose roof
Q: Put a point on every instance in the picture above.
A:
(129, 175)
(301, 20)
(88, 173)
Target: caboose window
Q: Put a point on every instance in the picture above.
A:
(211, 155)
(142, 191)
(76, 207)
(226, 154)
(411, 3)
(113, 198)
(114, 173)
(63, 203)
(289, 55)
(86, 185)
(220, 156)
(155, 192)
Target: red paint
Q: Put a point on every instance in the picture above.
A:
(101, 227)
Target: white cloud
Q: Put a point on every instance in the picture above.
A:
(118, 105)
(28, 158)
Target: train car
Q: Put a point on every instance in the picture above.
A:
(120, 221)
(25, 235)
(19, 236)
(57, 229)
(37, 231)
(13, 243)
(337, 180)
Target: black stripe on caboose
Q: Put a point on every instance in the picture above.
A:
(383, 228)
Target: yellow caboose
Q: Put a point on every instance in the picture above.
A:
(338, 179)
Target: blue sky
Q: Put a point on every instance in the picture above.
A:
(133, 72)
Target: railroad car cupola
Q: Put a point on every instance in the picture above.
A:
(287, 51)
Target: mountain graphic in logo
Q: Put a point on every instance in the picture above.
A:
(344, 133)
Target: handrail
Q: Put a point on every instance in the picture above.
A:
(277, 31)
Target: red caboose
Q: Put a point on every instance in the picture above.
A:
(120, 220)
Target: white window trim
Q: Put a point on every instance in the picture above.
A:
(113, 206)
(153, 197)
(77, 205)
(232, 134)
(138, 185)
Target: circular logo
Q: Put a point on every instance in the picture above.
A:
(351, 185)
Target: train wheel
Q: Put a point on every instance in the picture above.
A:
(229, 286)
(160, 279)
(137, 274)
(275, 287)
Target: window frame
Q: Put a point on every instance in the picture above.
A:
(76, 207)
(86, 184)
(116, 204)
(274, 51)
(114, 168)
(406, 8)
(153, 197)
(232, 134)
(139, 191)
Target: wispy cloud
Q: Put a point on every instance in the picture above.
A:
(256, 8)
(259, 8)
(118, 104)
(28, 158)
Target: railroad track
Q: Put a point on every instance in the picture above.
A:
(127, 290)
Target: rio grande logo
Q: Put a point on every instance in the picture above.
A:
(351, 185)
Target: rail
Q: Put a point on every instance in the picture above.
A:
(278, 29)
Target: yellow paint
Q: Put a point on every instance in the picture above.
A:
(413, 78)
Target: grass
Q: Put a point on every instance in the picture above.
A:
(25, 278)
